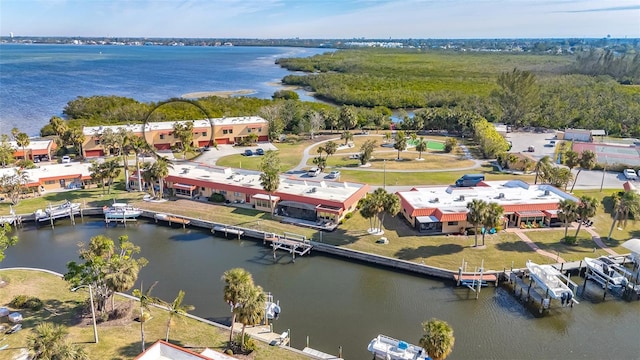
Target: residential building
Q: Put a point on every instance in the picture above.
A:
(315, 201)
(160, 134)
(36, 150)
(443, 210)
(54, 176)
(162, 350)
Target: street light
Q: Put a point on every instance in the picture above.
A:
(93, 310)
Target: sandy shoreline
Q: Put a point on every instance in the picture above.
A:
(226, 93)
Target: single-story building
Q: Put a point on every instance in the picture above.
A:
(36, 150)
(315, 201)
(576, 135)
(227, 130)
(54, 176)
(162, 350)
(443, 210)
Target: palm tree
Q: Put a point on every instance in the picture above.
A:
(22, 140)
(252, 311)
(347, 136)
(492, 217)
(542, 167)
(438, 339)
(126, 137)
(146, 300)
(586, 209)
(401, 142)
(111, 170)
(48, 342)
(587, 162)
(567, 213)
(238, 282)
(121, 276)
(76, 137)
(161, 170)
(476, 215)
(270, 176)
(628, 203)
(421, 146)
(177, 308)
(387, 136)
(149, 177)
(139, 146)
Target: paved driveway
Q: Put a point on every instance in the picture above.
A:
(210, 157)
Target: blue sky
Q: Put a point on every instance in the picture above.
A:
(322, 18)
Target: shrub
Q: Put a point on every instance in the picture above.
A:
(217, 198)
(450, 144)
(19, 301)
(229, 352)
(249, 344)
(348, 216)
(26, 302)
(571, 240)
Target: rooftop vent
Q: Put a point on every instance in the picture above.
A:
(501, 196)
(546, 193)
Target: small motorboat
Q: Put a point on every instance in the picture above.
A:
(385, 348)
(607, 272)
(121, 211)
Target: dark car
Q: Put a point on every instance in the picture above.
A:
(248, 152)
(259, 151)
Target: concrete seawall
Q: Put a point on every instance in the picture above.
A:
(369, 258)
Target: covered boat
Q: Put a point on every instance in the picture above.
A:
(606, 271)
(53, 212)
(121, 211)
(549, 279)
(386, 348)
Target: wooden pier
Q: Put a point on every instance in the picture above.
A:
(124, 221)
(172, 220)
(228, 230)
(293, 243)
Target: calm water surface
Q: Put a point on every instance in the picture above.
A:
(340, 303)
(37, 81)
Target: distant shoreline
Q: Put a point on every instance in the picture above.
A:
(224, 93)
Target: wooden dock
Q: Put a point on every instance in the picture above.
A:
(292, 243)
(228, 230)
(172, 219)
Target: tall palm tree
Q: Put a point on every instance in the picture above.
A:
(421, 146)
(438, 339)
(270, 176)
(567, 213)
(121, 276)
(139, 146)
(347, 136)
(492, 217)
(476, 215)
(177, 308)
(628, 203)
(149, 177)
(587, 162)
(252, 311)
(111, 170)
(542, 167)
(586, 209)
(160, 171)
(22, 139)
(238, 282)
(126, 137)
(146, 300)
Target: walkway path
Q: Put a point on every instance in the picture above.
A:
(596, 239)
(535, 247)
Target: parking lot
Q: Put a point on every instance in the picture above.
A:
(541, 143)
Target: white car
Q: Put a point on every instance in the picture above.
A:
(630, 174)
(335, 174)
(66, 159)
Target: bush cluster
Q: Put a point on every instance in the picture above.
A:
(26, 302)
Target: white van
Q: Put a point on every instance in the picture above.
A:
(313, 172)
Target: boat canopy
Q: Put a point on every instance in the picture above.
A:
(633, 245)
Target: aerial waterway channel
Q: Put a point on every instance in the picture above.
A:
(338, 302)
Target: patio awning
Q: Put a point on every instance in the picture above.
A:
(183, 187)
(551, 214)
(297, 205)
(427, 219)
(530, 214)
(265, 197)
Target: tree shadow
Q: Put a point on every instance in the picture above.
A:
(427, 251)
(516, 246)
(340, 236)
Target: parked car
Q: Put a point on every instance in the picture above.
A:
(66, 159)
(259, 151)
(335, 174)
(313, 172)
(531, 149)
(248, 152)
(630, 174)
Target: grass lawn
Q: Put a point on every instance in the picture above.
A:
(551, 241)
(442, 251)
(408, 161)
(603, 220)
(119, 340)
(290, 156)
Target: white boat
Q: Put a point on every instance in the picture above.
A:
(161, 216)
(549, 279)
(272, 309)
(607, 272)
(386, 348)
(55, 212)
(121, 211)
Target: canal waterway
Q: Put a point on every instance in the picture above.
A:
(337, 302)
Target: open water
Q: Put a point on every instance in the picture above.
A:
(37, 81)
(338, 302)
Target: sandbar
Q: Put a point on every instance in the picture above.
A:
(225, 93)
